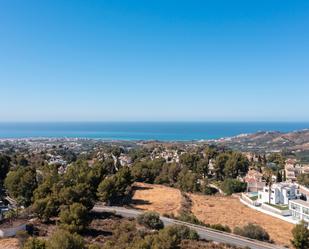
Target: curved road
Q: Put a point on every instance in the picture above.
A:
(204, 233)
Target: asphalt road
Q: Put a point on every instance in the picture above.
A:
(204, 233)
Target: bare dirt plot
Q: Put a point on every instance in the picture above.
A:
(210, 209)
(10, 243)
(152, 197)
(229, 211)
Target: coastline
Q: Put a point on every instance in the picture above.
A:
(145, 131)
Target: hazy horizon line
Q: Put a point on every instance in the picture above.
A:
(154, 121)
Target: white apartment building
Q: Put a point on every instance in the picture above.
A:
(299, 210)
(279, 193)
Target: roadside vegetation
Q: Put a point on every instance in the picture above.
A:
(300, 236)
(253, 231)
(150, 220)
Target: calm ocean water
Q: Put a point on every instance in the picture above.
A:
(143, 130)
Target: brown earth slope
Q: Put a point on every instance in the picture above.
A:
(229, 211)
(161, 199)
(9, 243)
(210, 209)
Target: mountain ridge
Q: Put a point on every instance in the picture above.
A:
(269, 141)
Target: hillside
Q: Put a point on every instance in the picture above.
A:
(217, 209)
(297, 141)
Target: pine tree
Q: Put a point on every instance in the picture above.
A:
(300, 236)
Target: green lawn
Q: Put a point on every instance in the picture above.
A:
(280, 207)
(254, 198)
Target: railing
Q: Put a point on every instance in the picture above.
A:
(286, 212)
(248, 200)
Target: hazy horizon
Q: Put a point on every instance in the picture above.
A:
(155, 121)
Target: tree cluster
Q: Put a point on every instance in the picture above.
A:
(127, 236)
(230, 165)
(252, 231)
(300, 236)
(20, 184)
(150, 220)
(230, 186)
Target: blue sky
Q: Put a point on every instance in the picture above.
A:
(154, 60)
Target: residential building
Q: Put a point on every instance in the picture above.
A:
(299, 210)
(211, 166)
(292, 169)
(254, 180)
(125, 160)
(278, 193)
(305, 169)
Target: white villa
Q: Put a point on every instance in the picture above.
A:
(280, 193)
(299, 210)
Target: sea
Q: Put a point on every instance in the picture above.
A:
(163, 131)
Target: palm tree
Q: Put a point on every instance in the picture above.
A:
(269, 181)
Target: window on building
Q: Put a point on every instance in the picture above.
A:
(295, 207)
(306, 217)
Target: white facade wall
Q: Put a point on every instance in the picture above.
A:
(279, 194)
(299, 210)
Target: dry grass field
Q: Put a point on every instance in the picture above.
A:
(161, 199)
(9, 243)
(210, 209)
(229, 211)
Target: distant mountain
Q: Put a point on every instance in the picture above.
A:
(297, 141)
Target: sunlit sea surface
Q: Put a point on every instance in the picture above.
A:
(164, 131)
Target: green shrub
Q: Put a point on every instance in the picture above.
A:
(230, 186)
(62, 239)
(221, 227)
(168, 238)
(207, 190)
(150, 220)
(20, 184)
(74, 218)
(188, 181)
(190, 218)
(116, 188)
(300, 236)
(34, 243)
(181, 232)
(252, 231)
